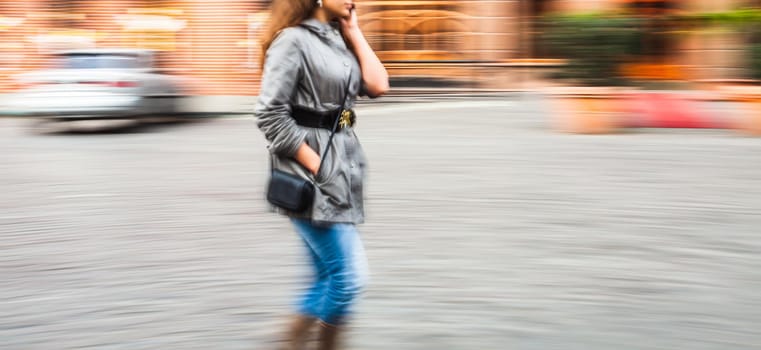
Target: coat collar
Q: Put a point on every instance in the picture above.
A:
(319, 28)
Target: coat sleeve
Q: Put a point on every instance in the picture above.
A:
(283, 69)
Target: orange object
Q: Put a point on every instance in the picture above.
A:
(585, 114)
(751, 118)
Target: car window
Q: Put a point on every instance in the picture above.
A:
(95, 61)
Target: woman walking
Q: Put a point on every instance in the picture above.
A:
(317, 61)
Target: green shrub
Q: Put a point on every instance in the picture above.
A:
(595, 45)
(755, 61)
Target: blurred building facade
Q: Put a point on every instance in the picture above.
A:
(215, 42)
(211, 41)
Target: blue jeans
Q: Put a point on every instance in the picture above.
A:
(340, 269)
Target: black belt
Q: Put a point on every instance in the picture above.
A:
(325, 120)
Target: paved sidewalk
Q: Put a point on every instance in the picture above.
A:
(486, 231)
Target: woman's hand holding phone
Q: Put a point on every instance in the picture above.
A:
(349, 25)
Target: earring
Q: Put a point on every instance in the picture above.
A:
(319, 3)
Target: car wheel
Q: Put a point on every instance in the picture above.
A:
(46, 126)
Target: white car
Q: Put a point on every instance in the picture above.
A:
(96, 84)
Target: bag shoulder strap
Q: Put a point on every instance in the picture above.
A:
(335, 123)
(338, 117)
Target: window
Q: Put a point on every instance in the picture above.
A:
(101, 61)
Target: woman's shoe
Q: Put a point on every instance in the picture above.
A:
(298, 330)
(328, 336)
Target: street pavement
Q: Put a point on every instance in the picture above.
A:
(486, 230)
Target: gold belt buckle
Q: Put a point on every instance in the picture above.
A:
(345, 118)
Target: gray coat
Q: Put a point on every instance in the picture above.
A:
(310, 66)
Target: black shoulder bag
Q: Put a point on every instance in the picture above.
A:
(292, 192)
